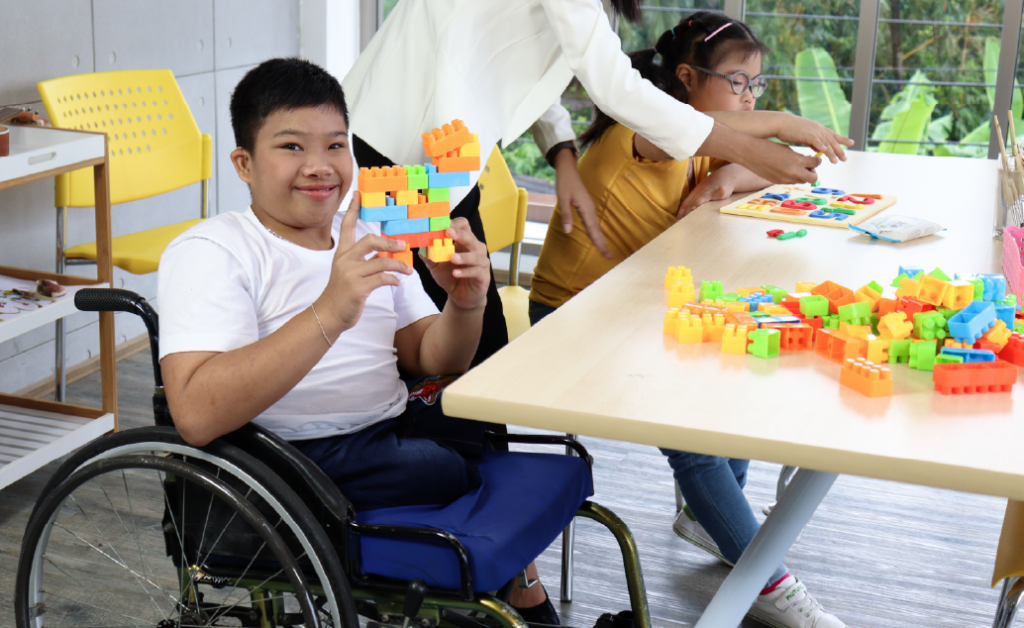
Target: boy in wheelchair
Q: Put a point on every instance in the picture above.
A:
(277, 315)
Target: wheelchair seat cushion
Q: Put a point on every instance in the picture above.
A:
(521, 506)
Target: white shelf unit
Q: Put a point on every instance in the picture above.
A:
(35, 432)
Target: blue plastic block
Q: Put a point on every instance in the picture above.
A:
(970, 323)
(756, 297)
(829, 191)
(399, 227)
(1006, 313)
(970, 355)
(384, 214)
(775, 197)
(823, 215)
(911, 271)
(995, 287)
(778, 320)
(437, 179)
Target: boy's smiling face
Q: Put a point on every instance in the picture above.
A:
(300, 170)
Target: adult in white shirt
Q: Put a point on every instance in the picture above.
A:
(498, 65)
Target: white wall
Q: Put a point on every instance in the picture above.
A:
(209, 45)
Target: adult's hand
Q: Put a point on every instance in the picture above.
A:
(572, 195)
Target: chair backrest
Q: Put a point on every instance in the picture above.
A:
(155, 145)
(502, 204)
(1010, 554)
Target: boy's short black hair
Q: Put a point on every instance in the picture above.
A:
(279, 84)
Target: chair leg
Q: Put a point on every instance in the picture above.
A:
(568, 541)
(630, 559)
(59, 377)
(1009, 604)
(785, 475)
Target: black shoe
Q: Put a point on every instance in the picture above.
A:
(543, 613)
(624, 619)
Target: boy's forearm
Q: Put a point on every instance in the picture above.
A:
(742, 179)
(451, 341)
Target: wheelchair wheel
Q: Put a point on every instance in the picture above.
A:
(114, 545)
(260, 486)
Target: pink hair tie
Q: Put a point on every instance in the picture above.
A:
(718, 31)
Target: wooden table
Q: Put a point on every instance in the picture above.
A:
(601, 366)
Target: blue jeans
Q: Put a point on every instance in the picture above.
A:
(712, 487)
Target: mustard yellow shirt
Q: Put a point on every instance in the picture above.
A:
(636, 199)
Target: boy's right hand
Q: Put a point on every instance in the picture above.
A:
(777, 163)
(353, 276)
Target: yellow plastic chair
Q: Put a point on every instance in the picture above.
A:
(155, 146)
(1010, 565)
(503, 213)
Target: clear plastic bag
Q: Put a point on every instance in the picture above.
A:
(898, 228)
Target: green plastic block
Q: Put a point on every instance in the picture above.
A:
(842, 210)
(801, 233)
(814, 305)
(939, 274)
(896, 282)
(877, 287)
(930, 326)
(440, 223)
(786, 236)
(765, 343)
(711, 290)
(899, 351)
(855, 313)
(732, 297)
(778, 294)
(833, 323)
(758, 313)
(1018, 326)
(945, 358)
(436, 195)
(417, 177)
(946, 312)
(873, 321)
(922, 355)
(979, 289)
(1011, 299)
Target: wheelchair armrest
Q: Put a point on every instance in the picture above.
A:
(543, 439)
(426, 533)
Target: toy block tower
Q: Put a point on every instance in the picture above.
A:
(412, 202)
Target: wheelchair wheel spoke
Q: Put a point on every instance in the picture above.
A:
(206, 522)
(246, 571)
(181, 543)
(108, 609)
(135, 537)
(221, 535)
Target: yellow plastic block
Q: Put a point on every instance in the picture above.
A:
(737, 306)
(746, 292)
(441, 250)
(805, 286)
(472, 149)
(677, 274)
(713, 326)
(759, 208)
(855, 331)
(680, 294)
(999, 334)
(734, 339)
(878, 349)
(908, 288)
(957, 345)
(715, 303)
(868, 294)
(773, 310)
(379, 199)
(845, 205)
(895, 326)
(406, 197)
(671, 321)
(689, 329)
(933, 290)
(958, 295)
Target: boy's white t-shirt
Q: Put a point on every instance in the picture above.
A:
(228, 282)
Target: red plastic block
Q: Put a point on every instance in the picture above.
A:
(831, 344)
(866, 377)
(402, 256)
(793, 307)
(1013, 352)
(446, 139)
(390, 179)
(912, 306)
(974, 377)
(774, 233)
(414, 240)
(795, 336)
(815, 323)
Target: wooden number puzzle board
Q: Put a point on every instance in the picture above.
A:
(790, 209)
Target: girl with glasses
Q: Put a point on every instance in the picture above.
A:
(712, 63)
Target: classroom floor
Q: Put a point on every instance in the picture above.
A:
(876, 553)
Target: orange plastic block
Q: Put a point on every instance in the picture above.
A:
(877, 349)
(795, 336)
(440, 250)
(448, 138)
(734, 339)
(415, 240)
(1013, 352)
(953, 344)
(689, 329)
(933, 290)
(998, 334)
(888, 306)
(740, 318)
(786, 211)
(402, 256)
(376, 199)
(805, 286)
(895, 326)
(837, 295)
(438, 209)
(676, 274)
(456, 164)
(866, 377)
(988, 346)
(974, 377)
(908, 288)
(869, 294)
(713, 326)
(679, 294)
(855, 331)
(406, 197)
(383, 179)
(958, 295)
(831, 344)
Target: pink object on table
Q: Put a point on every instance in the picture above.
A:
(1013, 256)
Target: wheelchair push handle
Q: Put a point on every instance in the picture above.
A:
(120, 300)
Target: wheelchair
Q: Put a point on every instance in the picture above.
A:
(139, 528)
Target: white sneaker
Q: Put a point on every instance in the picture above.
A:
(686, 527)
(789, 605)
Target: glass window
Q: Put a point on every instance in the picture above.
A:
(935, 75)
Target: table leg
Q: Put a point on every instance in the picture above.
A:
(766, 551)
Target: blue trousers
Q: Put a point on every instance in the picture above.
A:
(420, 457)
(712, 487)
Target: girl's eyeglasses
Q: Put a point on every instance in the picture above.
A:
(740, 81)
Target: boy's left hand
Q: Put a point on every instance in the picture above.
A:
(715, 187)
(466, 277)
